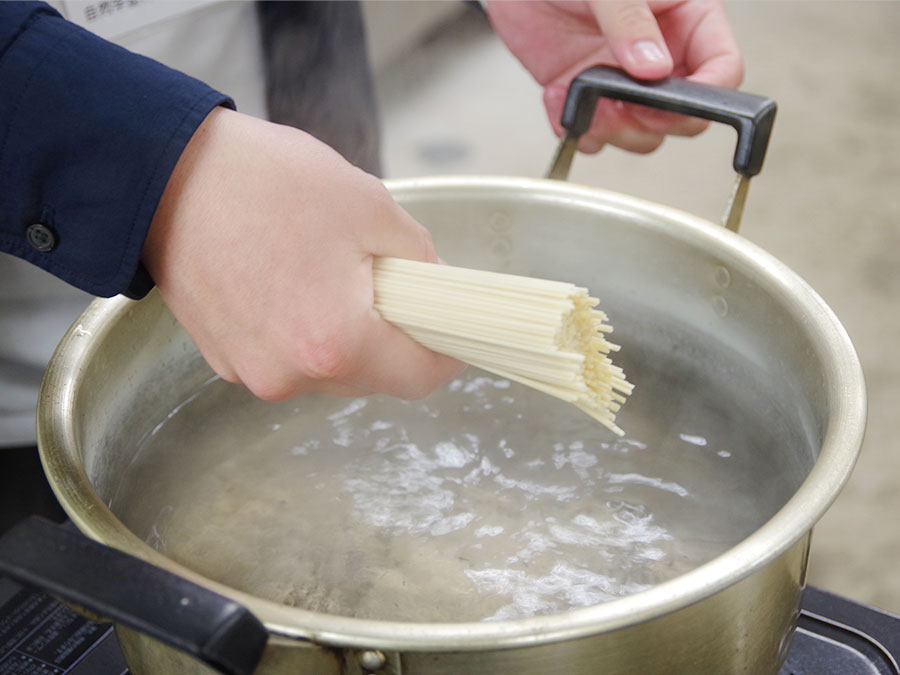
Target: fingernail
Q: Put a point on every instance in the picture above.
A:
(555, 93)
(647, 51)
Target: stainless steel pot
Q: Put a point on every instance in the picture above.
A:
(126, 363)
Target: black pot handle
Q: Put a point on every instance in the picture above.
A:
(751, 115)
(62, 562)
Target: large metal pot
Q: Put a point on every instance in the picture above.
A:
(124, 364)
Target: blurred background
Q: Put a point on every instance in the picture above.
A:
(454, 101)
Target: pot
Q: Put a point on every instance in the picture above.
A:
(685, 295)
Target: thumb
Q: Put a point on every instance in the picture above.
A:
(634, 37)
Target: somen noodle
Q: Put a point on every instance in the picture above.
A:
(544, 334)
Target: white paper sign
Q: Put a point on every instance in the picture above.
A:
(111, 19)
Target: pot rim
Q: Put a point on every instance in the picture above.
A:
(845, 394)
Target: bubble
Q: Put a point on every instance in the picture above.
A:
(723, 277)
(720, 306)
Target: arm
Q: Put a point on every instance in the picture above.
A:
(89, 134)
(262, 237)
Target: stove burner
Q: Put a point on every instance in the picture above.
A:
(38, 635)
(835, 636)
(838, 636)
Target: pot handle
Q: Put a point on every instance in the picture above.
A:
(752, 117)
(62, 562)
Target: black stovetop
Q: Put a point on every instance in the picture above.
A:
(39, 636)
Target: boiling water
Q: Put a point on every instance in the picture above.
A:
(486, 501)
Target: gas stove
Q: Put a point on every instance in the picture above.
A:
(39, 636)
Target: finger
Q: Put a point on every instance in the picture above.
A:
(612, 124)
(664, 122)
(354, 344)
(642, 117)
(394, 232)
(277, 375)
(724, 70)
(639, 142)
(374, 353)
(397, 365)
(628, 138)
(709, 55)
(554, 100)
(712, 54)
(634, 37)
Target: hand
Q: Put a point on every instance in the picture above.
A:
(262, 248)
(556, 41)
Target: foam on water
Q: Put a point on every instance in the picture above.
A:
(486, 501)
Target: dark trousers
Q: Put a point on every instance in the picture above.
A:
(24, 489)
(318, 77)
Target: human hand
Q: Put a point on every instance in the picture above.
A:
(262, 247)
(556, 41)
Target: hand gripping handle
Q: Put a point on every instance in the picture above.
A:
(752, 117)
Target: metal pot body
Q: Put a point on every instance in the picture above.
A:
(743, 629)
(125, 363)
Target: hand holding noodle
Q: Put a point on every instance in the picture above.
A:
(262, 248)
(268, 265)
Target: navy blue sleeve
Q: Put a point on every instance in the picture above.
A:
(89, 135)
